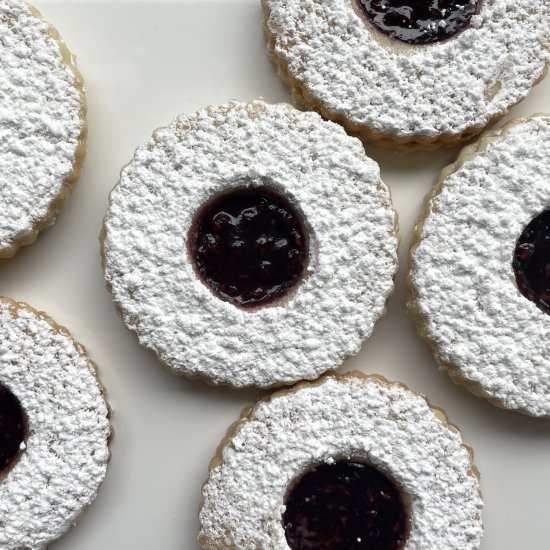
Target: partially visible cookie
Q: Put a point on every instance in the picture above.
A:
(409, 75)
(42, 124)
(479, 275)
(54, 441)
(351, 461)
(251, 245)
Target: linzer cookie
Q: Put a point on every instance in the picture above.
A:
(55, 429)
(349, 462)
(480, 279)
(42, 121)
(406, 74)
(251, 245)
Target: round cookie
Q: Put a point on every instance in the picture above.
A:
(484, 332)
(156, 224)
(42, 121)
(348, 60)
(54, 444)
(342, 422)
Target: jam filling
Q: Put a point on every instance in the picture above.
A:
(249, 246)
(345, 506)
(420, 21)
(531, 261)
(12, 428)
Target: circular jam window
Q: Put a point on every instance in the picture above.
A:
(419, 21)
(345, 505)
(12, 428)
(531, 261)
(249, 246)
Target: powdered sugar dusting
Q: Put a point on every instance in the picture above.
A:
(66, 456)
(348, 417)
(463, 279)
(326, 176)
(40, 122)
(447, 88)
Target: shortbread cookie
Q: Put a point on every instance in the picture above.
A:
(251, 245)
(42, 124)
(349, 462)
(409, 75)
(54, 442)
(480, 284)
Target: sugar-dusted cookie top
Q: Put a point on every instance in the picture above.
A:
(479, 268)
(242, 187)
(42, 126)
(287, 473)
(353, 60)
(54, 444)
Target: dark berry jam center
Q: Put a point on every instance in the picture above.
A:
(420, 21)
(12, 428)
(531, 261)
(249, 246)
(345, 506)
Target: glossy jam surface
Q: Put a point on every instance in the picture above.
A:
(420, 21)
(531, 261)
(345, 506)
(249, 246)
(12, 428)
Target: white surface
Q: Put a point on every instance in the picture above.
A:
(143, 63)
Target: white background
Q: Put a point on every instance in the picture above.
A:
(143, 63)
